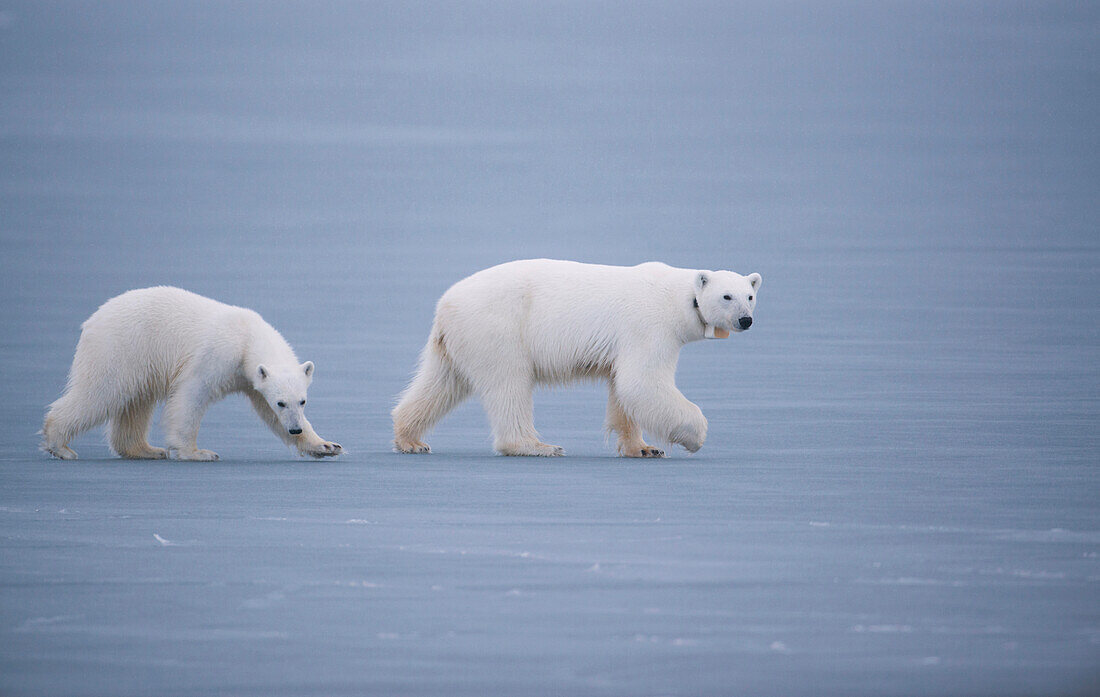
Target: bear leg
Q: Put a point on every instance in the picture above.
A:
(128, 432)
(67, 418)
(307, 443)
(436, 390)
(650, 398)
(630, 435)
(511, 414)
(182, 416)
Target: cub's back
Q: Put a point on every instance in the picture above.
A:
(160, 321)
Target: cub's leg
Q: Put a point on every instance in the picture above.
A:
(630, 434)
(183, 412)
(128, 431)
(307, 443)
(74, 413)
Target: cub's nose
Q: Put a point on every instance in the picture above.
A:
(295, 431)
(745, 322)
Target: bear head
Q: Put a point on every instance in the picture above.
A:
(284, 390)
(726, 300)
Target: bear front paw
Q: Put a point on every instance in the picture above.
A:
(641, 451)
(324, 449)
(691, 435)
(692, 446)
(198, 455)
(146, 452)
(532, 449)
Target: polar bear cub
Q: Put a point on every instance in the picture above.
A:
(504, 330)
(166, 344)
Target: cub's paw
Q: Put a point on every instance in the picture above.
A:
(198, 455)
(546, 450)
(413, 447)
(324, 449)
(535, 449)
(148, 453)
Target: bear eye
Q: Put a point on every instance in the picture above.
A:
(750, 297)
(302, 403)
(281, 404)
(727, 297)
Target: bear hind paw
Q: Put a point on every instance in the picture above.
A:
(413, 447)
(62, 452)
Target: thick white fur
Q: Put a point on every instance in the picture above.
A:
(504, 330)
(166, 344)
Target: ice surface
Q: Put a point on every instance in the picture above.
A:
(899, 491)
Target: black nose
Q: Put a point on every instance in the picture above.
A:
(745, 322)
(295, 431)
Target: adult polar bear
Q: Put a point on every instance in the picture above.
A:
(167, 344)
(501, 331)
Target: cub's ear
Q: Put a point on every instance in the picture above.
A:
(262, 372)
(307, 368)
(755, 280)
(701, 280)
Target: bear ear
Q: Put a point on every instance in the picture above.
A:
(307, 368)
(262, 372)
(755, 280)
(701, 280)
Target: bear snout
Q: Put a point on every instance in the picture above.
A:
(745, 322)
(295, 431)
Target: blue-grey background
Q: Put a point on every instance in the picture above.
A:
(899, 491)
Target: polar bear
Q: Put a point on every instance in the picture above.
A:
(504, 330)
(166, 344)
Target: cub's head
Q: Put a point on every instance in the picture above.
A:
(284, 389)
(726, 300)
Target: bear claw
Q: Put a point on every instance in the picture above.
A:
(644, 451)
(411, 448)
(326, 449)
(62, 452)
